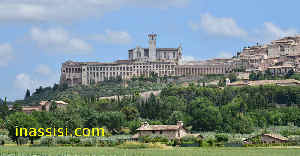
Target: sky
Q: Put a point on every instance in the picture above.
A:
(37, 36)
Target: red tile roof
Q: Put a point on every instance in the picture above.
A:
(158, 127)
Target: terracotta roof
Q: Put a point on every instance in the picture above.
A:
(61, 102)
(277, 136)
(122, 61)
(158, 127)
(31, 108)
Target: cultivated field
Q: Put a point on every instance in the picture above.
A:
(100, 151)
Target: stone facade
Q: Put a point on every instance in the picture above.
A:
(287, 82)
(282, 52)
(141, 61)
(171, 131)
(43, 106)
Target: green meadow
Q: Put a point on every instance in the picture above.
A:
(177, 151)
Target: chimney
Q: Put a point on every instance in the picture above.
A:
(180, 123)
(145, 124)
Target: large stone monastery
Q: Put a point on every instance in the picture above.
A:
(141, 61)
(279, 57)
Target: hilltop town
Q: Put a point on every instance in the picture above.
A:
(278, 57)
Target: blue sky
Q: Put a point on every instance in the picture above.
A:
(36, 36)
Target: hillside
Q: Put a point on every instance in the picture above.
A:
(105, 89)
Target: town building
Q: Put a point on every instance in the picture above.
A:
(170, 131)
(43, 106)
(287, 82)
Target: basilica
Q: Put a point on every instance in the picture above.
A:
(141, 61)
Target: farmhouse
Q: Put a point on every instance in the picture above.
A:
(171, 131)
(43, 106)
(266, 139)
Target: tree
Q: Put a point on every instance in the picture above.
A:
(27, 94)
(112, 120)
(232, 77)
(206, 117)
(170, 104)
(55, 87)
(222, 82)
(53, 106)
(252, 76)
(130, 112)
(179, 116)
(134, 125)
(2, 124)
(3, 108)
(20, 120)
(17, 107)
(69, 119)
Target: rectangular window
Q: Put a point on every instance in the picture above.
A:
(160, 132)
(153, 132)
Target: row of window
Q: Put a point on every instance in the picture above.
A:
(128, 68)
(97, 74)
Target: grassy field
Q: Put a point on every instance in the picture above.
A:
(100, 151)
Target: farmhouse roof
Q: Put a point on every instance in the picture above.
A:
(277, 136)
(158, 127)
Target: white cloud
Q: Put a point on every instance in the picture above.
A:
(270, 31)
(66, 10)
(24, 81)
(218, 26)
(58, 39)
(225, 55)
(44, 70)
(6, 54)
(114, 37)
(188, 58)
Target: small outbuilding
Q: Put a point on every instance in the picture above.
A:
(267, 139)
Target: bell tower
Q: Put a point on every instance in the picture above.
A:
(152, 46)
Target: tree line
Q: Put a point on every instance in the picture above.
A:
(232, 110)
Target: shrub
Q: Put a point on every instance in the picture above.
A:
(211, 142)
(88, 142)
(63, 140)
(46, 140)
(2, 139)
(125, 131)
(221, 138)
(75, 140)
(22, 140)
(2, 142)
(154, 138)
(188, 140)
(177, 142)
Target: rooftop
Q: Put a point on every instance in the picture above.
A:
(277, 136)
(158, 127)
